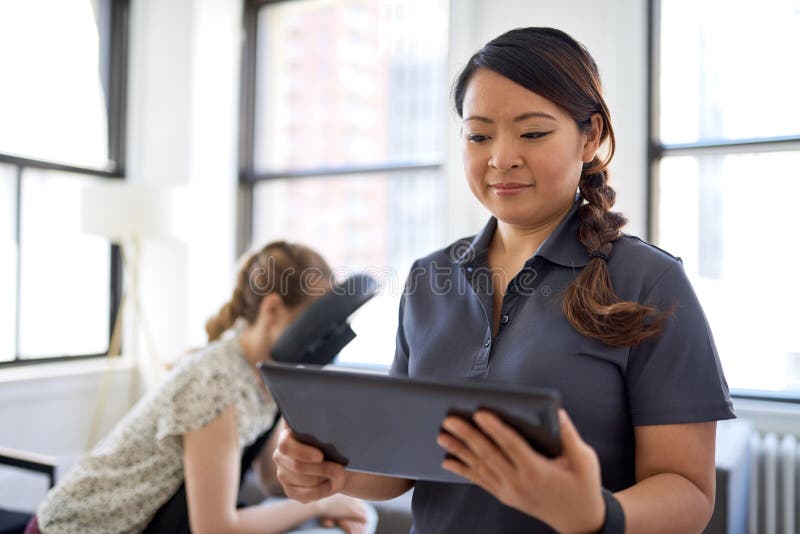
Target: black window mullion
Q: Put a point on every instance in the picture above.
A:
(729, 147)
(338, 171)
(247, 113)
(653, 76)
(248, 93)
(244, 212)
(53, 166)
(117, 83)
(115, 291)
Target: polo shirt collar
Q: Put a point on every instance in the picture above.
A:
(561, 246)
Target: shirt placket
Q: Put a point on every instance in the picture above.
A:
(483, 292)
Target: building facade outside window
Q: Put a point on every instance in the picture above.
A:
(343, 126)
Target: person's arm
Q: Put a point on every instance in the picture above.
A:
(375, 487)
(211, 469)
(306, 477)
(264, 467)
(675, 476)
(674, 492)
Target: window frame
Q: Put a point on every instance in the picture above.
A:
(116, 114)
(657, 150)
(248, 176)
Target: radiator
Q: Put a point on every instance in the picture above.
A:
(774, 484)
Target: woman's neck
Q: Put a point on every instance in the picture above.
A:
(517, 242)
(255, 345)
(256, 349)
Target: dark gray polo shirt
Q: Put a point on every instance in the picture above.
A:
(445, 330)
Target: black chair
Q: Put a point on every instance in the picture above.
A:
(12, 521)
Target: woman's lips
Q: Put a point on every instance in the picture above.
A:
(508, 188)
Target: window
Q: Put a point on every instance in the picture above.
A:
(724, 157)
(344, 116)
(62, 104)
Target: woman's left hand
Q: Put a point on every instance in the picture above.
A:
(564, 492)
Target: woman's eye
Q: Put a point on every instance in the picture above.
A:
(477, 138)
(534, 135)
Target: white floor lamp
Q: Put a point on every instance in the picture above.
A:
(126, 214)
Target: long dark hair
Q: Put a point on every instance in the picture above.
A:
(554, 65)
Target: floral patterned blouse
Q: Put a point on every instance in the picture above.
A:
(120, 485)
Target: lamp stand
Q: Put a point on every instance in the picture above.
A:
(148, 362)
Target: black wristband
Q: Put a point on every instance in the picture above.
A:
(615, 516)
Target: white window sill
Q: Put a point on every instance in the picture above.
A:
(41, 371)
(769, 416)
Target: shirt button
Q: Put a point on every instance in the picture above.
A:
(504, 319)
(486, 345)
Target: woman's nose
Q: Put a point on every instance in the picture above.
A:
(505, 156)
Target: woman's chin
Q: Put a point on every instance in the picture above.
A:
(528, 214)
(516, 215)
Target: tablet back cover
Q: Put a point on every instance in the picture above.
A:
(388, 425)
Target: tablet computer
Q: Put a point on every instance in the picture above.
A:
(388, 425)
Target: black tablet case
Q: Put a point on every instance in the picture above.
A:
(388, 425)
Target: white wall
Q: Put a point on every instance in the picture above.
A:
(183, 131)
(56, 415)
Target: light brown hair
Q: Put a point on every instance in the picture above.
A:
(287, 269)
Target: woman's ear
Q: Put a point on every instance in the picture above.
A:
(272, 310)
(591, 140)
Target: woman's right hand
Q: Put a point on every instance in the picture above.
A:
(303, 471)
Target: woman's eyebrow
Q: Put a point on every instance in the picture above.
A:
(518, 118)
(534, 114)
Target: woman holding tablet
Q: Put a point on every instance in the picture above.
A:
(551, 293)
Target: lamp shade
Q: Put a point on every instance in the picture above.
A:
(120, 211)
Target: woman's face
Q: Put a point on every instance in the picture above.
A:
(522, 153)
